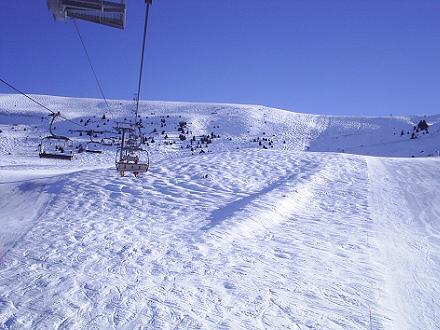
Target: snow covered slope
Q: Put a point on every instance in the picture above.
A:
(388, 136)
(283, 220)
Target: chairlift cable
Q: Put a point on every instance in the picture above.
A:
(142, 57)
(91, 65)
(35, 101)
(128, 157)
(22, 93)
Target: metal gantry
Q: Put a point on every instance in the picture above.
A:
(108, 13)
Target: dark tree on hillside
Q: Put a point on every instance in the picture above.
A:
(422, 125)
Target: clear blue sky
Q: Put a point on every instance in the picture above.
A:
(365, 57)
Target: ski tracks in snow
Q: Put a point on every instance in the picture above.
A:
(246, 239)
(297, 250)
(405, 206)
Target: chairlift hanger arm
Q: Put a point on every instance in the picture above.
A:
(147, 10)
(53, 115)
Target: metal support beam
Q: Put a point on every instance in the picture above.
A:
(97, 11)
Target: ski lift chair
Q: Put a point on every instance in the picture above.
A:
(130, 157)
(107, 141)
(56, 147)
(91, 148)
(91, 145)
(103, 12)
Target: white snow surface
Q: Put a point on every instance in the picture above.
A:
(330, 223)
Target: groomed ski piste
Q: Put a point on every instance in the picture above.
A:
(328, 223)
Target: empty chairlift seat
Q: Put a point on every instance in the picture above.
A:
(56, 147)
(108, 13)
